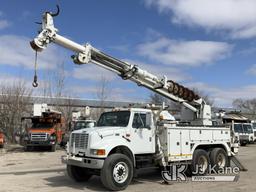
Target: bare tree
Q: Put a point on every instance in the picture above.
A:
(206, 97)
(54, 85)
(54, 82)
(158, 99)
(248, 105)
(103, 93)
(14, 105)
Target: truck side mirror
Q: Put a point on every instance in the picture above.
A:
(148, 120)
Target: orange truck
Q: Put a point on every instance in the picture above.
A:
(1, 140)
(47, 128)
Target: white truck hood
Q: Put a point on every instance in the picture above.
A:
(101, 131)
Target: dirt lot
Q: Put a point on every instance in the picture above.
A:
(43, 172)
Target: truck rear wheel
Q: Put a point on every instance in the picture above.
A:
(219, 158)
(117, 172)
(28, 148)
(78, 174)
(200, 162)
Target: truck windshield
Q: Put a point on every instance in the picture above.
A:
(247, 128)
(238, 128)
(114, 119)
(254, 125)
(42, 125)
(83, 124)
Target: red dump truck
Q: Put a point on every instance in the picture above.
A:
(1, 140)
(47, 129)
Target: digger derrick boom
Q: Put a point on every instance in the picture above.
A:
(88, 54)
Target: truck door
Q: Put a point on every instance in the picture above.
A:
(142, 140)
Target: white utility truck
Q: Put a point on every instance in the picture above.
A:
(254, 129)
(128, 139)
(241, 133)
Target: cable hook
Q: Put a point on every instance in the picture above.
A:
(35, 84)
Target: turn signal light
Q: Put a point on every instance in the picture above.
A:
(101, 152)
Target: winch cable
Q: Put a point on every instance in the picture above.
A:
(35, 84)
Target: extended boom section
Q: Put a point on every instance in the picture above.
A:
(199, 110)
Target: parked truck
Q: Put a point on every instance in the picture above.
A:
(241, 133)
(47, 128)
(128, 139)
(1, 139)
(254, 129)
(77, 125)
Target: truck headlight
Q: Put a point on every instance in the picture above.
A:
(52, 137)
(26, 138)
(97, 152)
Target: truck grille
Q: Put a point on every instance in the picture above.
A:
(80, 140)
(244, 137)
(39, 136)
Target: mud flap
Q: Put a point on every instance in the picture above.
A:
(238, 163)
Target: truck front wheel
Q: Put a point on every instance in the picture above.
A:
(78, 174)
(53, 148)
(117, 172)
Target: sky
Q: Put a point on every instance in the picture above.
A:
(203, 44)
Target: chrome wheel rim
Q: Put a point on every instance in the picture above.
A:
(203, 164)
(221, 160)
(120, 172)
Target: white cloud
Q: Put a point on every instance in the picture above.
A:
(160, 70)
(191, 53)
(95, 73)
(4, 24)
(114, 93)
(7, 79)
(92, 72)
(252, 70)
(224, 97)
(238, 17)
(16, 51)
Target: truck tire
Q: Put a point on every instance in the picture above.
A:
(219, 159)
(53, 148)
(117, 172)
(78, 174)
(28, 148)
(243, 144)
(200, 162)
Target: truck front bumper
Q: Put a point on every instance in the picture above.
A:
(40, 143)
(244, 141)
(86, 162)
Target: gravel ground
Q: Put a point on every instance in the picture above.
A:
(42, 171)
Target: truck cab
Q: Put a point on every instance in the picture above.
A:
(46, 130)
(77, 125)
(127, 128)
(241, 133)
(83, 124)
(248, 129)
(254, 130)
